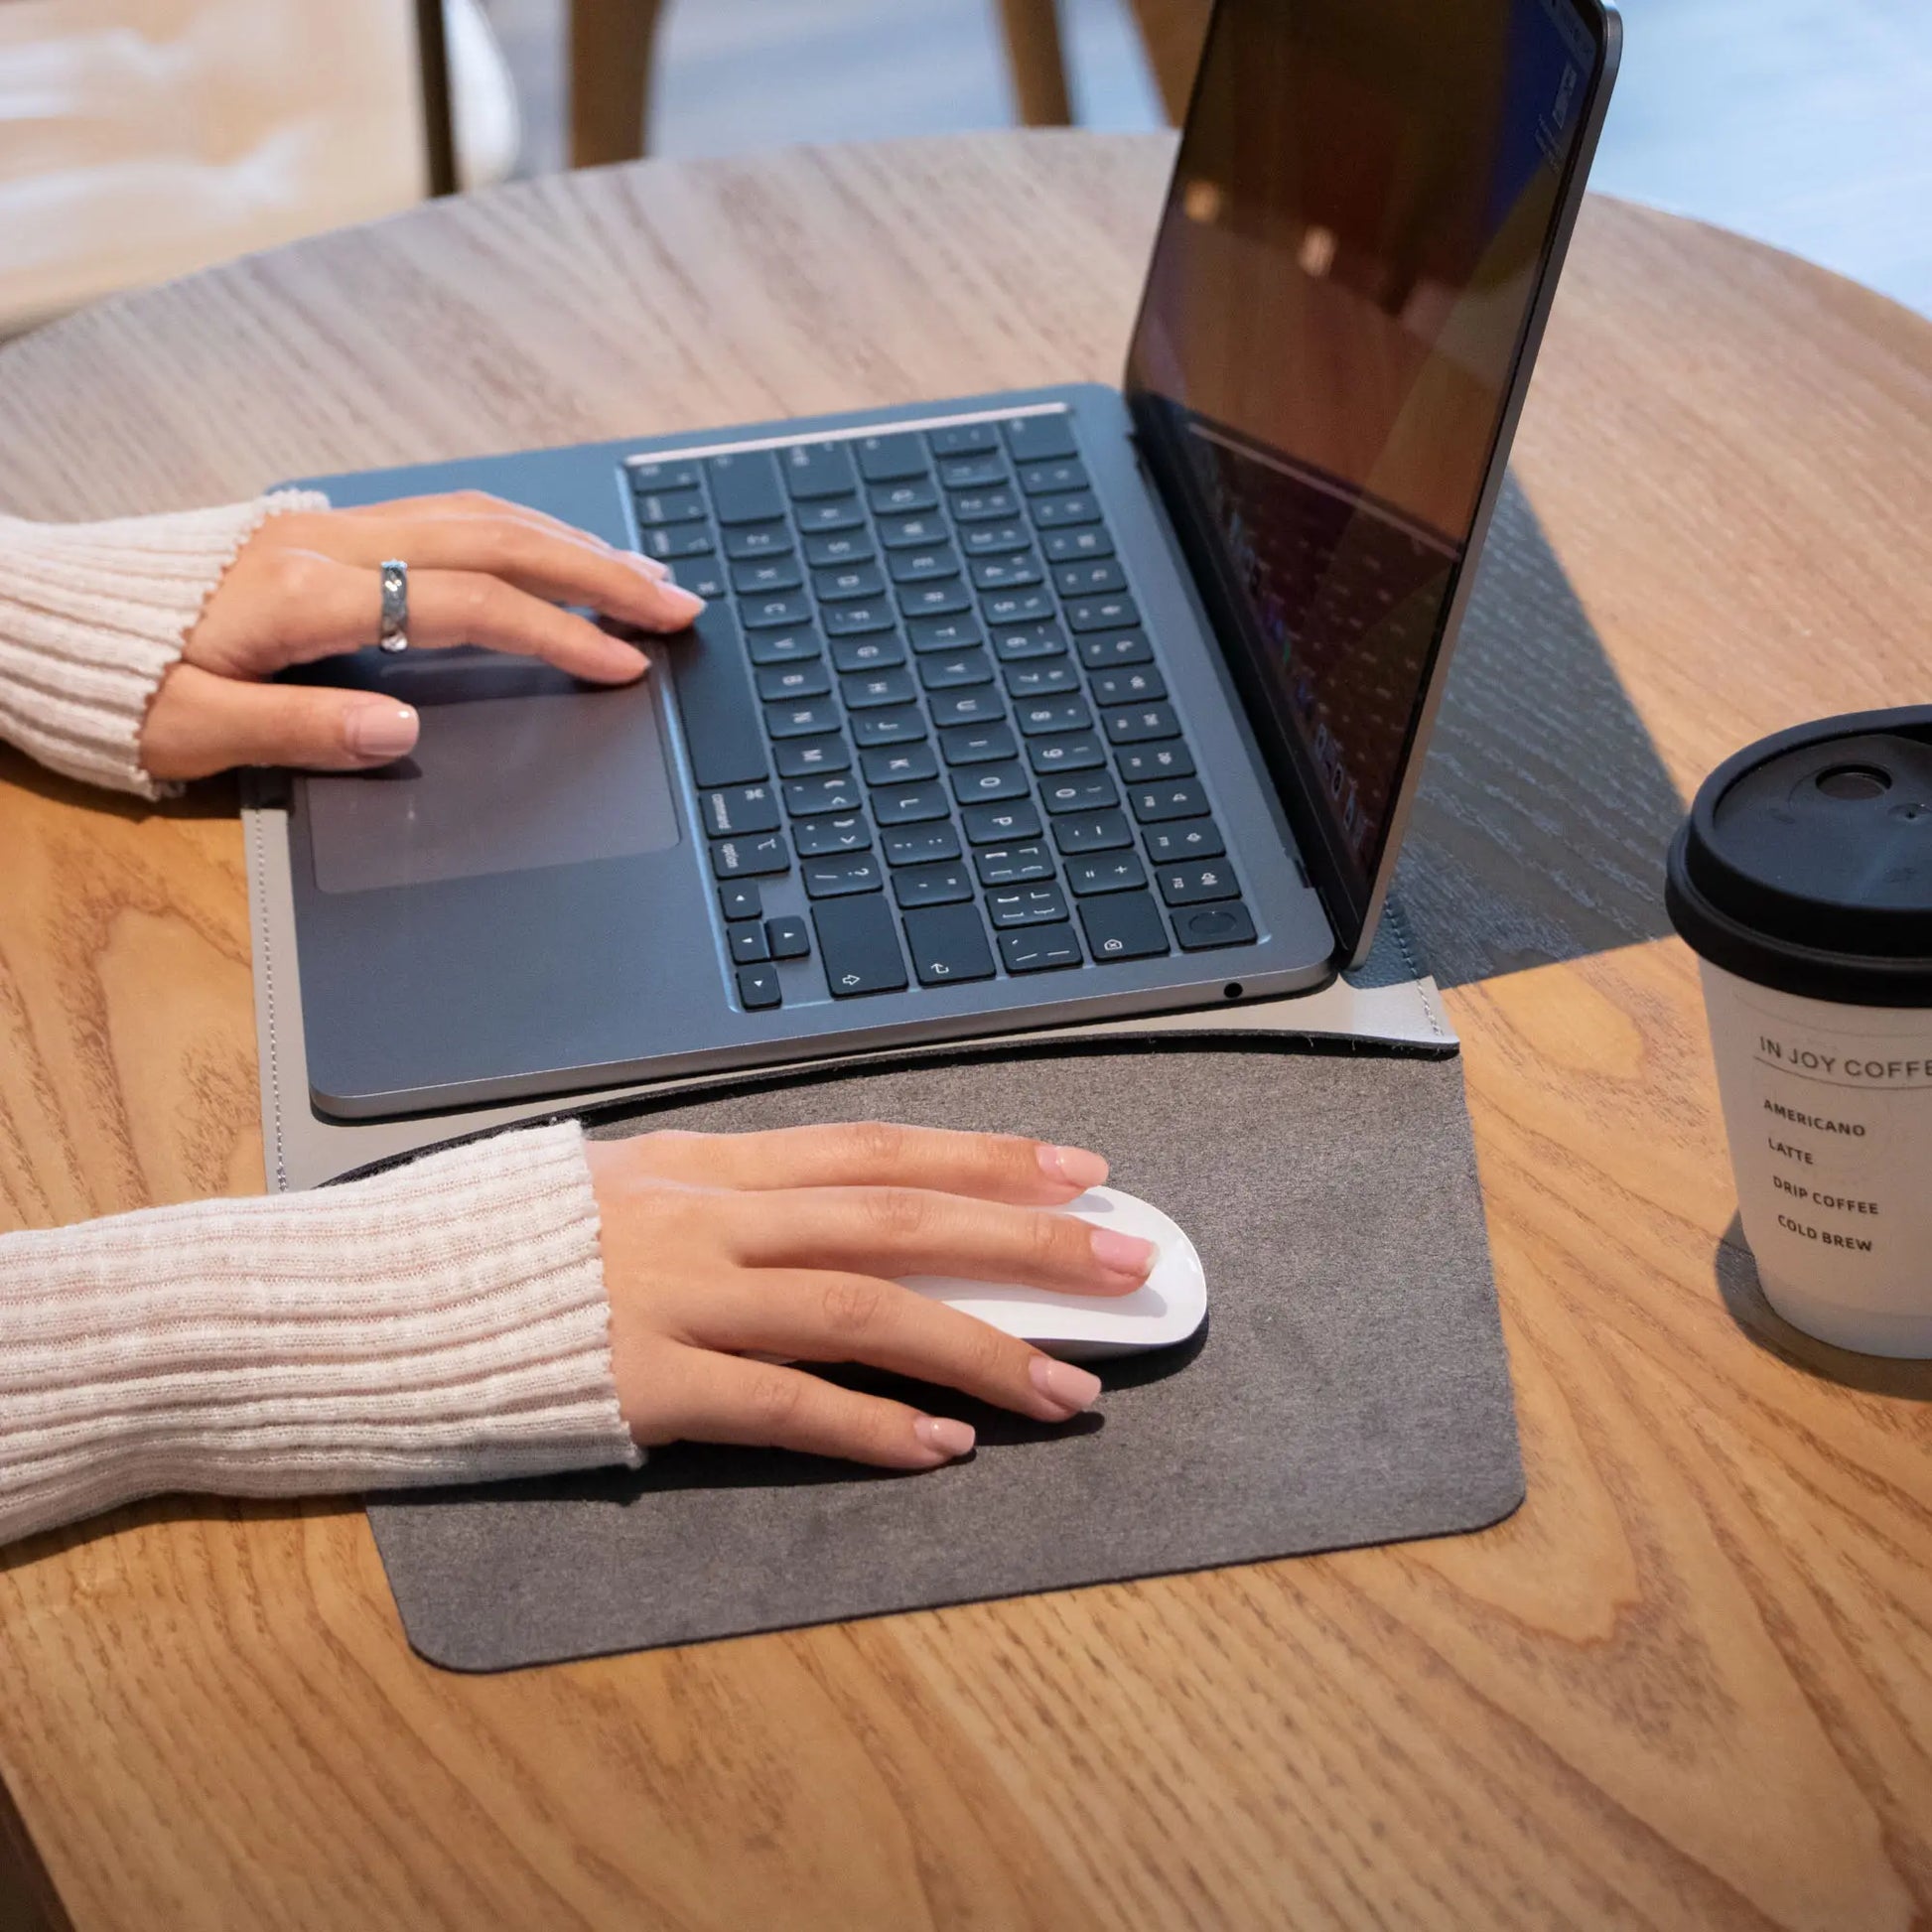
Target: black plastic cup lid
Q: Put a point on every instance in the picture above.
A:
(1806, 864)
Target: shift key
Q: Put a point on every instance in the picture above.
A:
(858, 946)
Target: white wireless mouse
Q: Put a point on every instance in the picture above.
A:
(1168, 1309)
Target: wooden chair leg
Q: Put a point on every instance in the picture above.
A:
(1173, 32)
(610, 44)
(1033, 31)
(439, 117)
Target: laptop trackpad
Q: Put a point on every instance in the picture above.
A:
(499, 785)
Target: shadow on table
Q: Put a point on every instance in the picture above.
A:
(1545, 812)
(1762, 1323)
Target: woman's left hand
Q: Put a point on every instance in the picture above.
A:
(308, 584)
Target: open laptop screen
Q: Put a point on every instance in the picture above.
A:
(1366, 202)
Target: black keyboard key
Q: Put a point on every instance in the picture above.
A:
(816, 837)
(1189, 838)
(810, 797)
(806, 719)
(1061, 513)
(833, 514)
(715, 703)
(1155, 804)
(1143, 764)
(768, 613)
(1085, 791)
(744, 808)
(839, 876)
(744, 486)
(984, 506)
(1137, 723)
(846, 582)
(909, 498)
(788, 938)
(1200, 929)
(932, 885)
(974, 472)
(986, 785)
(814, 469)
(1036, 438)
(1107, 872)
(940, 600)
(1134, 685)
(746, 543)
(868, 691)
(891, 458)
(1042, 680)
(923, 564)
(857, 617)
(791, 645)
(981, 707)
(996, 539)
(702, 576)
(739, 900)
(675, 475)
(1191, 885)
(921, 845)
(1104, 652)
(911, 532)
(655, 507)
(1001, 824)
(1080, 752)
(1111, 613)
(772, 574)
(955, 670)
(758, 986)
(1093, 831)
(964, 439)
(977, 744)
(1013, 865)
(1039, 949)
(899, 764)
(764, 855)
(811, 757)
(948, 943)
(1089, 579)
(1044, 479)
(919, 804)
(1123, 925)
(677, 540)
(746, 943)
(839, 548)
(944, 633)
(895, 727)
(1043, 714)
(1021, 906)
(1016, 607)
(1020, 643)
(1006, 573)
(1064, 546)
(858, 946)
(871, 651)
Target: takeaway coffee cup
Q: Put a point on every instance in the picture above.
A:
(1803, 881)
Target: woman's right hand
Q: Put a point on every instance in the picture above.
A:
(723, 1248)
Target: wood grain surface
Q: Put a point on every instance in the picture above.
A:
(1689, 1683)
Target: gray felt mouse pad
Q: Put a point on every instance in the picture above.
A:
(1350, 1388)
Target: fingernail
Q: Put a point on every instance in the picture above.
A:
(1072, 1164)
(943, 1433)
(1062, 1382)
(379, 729)
(651, 566)
(1125, 1254)
(682, 604)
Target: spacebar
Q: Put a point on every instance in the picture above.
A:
(714, 700)
(858, 947)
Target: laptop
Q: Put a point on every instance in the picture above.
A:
(1006, 712)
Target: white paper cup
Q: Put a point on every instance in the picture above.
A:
(1804, 880)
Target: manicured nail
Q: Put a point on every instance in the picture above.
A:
(651, 566)
(943, 1433)
(1125, 1254)
(1074, 1164)
(684, 605)
(378, 729)
(1073, 1388)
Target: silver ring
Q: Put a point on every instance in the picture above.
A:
(394, 635)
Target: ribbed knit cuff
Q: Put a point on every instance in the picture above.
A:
(92, 617)
(445, 1323)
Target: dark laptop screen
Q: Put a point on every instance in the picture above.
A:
(1365, 198)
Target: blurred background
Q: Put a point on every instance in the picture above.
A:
(143, 138)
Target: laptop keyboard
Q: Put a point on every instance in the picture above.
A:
(923, 684)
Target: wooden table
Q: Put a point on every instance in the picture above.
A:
(1689, 1684)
